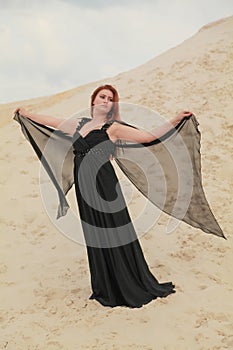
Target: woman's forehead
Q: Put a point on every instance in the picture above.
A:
(106, 92)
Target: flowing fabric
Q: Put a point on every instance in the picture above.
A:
(155, 168)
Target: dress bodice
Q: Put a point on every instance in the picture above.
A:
(96, 142)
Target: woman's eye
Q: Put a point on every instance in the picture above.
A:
(110, 99)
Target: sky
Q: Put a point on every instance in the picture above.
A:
(55, 45)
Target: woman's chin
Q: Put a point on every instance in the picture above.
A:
(102, 108)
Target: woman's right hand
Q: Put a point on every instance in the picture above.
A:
(22, 111)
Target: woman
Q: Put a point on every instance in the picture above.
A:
(119, 273)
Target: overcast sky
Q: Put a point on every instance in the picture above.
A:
(55, 45)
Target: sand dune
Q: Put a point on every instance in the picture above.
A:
(44, 276)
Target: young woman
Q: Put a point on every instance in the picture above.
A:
(119, 273)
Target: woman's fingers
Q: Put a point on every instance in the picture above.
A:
(20, 110)
(187, 113)
(183, 115)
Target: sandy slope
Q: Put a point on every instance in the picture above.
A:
(44, 276)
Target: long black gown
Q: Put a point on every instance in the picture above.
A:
(119, 273)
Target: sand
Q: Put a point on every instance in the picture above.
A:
(45, 282)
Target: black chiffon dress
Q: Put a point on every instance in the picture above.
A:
(119, 273)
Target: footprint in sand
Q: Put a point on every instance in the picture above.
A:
(52, 310)
(32, 195)
(29, 217)
(53, 345)
(164, 270)
(203, 287)
(205, 316)
(214, 278)
(201, 321)
(5, 157)
(34, 181)
(4, 345)
(3, 268)
(207, 276)
(144, 319)
(186, 255)
(31, 159)
(24, 172)
(228, 341)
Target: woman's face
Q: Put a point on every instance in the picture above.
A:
(104, 101)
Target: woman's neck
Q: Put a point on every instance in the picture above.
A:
(99, 118)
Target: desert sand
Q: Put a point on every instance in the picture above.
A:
(45, 282)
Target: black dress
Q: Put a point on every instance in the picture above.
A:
(119, 273)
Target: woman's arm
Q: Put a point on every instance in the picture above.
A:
(66, 125)
(127, 133)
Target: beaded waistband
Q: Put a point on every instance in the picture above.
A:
(90, 151)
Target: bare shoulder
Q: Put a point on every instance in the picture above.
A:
(118, 126)
(123, 131)
(69, 126)
(111, 131)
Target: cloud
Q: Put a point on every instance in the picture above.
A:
(106, 3)
(56, 45)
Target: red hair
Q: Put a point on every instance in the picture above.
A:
(114, 112)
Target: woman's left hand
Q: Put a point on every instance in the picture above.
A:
(182, 115)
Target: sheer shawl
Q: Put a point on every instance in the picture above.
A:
(167, 171)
